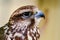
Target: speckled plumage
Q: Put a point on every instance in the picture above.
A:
(21, 26)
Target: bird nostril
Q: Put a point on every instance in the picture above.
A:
(39, 14)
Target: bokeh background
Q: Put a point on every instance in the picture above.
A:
(49, 28)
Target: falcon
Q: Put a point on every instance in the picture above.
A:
(23, 24)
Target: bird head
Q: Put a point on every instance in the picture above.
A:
(26, 15)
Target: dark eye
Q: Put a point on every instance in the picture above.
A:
(27, 13)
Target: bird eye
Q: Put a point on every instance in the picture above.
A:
(26, 14)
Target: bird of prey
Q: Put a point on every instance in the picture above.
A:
(23, 24)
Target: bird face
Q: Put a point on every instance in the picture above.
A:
(26, 15)
(23, 23)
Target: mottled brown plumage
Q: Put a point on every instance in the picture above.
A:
(22, 25)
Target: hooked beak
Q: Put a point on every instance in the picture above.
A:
(39, 14)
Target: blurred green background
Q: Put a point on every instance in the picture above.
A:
(50, 27)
